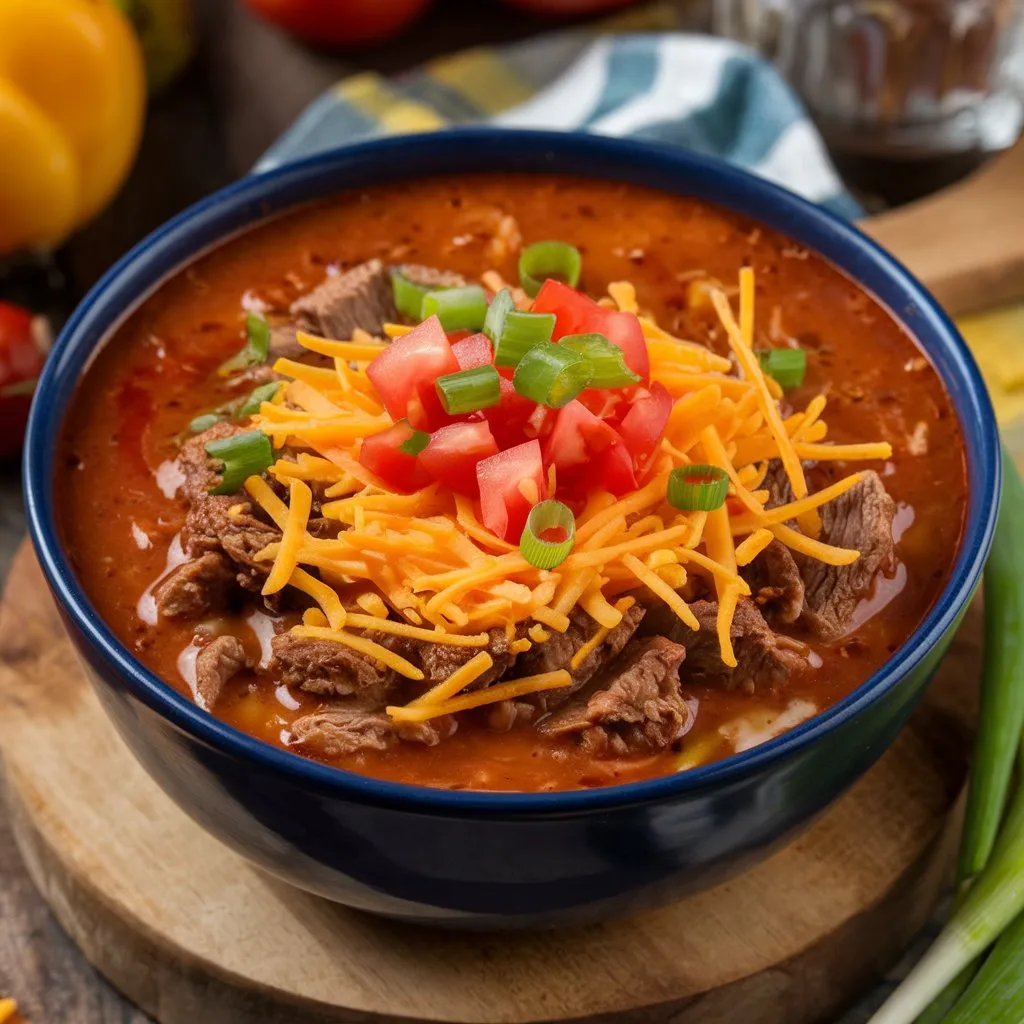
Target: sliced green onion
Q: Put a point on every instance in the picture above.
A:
(243, 455)
(458, 309)
(408, 296)
(549, 259)
(607, 360)
(501, 305)
(522, 331)
(204, 422)
(786, 365)
(256, 397)
(996, 995)
(415, 442)
(551, 375)
(697, 488)
(256, 350)
(469, 390)
(548, 517)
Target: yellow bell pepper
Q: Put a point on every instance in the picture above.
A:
(72, 100)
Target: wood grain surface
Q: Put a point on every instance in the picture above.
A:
(190, 932)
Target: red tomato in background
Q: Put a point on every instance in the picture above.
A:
(381, 454)
(567, 8)
(503, 505)
(453, 453)
(341, 22)
(23, 347)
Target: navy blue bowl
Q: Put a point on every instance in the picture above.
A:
(496, 859)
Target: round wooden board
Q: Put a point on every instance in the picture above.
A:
(191, 933)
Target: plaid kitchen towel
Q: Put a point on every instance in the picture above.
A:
(704, 93)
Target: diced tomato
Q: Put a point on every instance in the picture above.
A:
(541, 422)
(452, 455)
(24, 340)
(381, 455)
(509, 417)
(511, 482)
(577, 437)
(576, 313)
(614, 470)
(572, 309)
(474, 350)
(644, 424)
(404, 375)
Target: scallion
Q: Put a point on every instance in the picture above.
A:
(204, 422)
(458, 309)
(786, 365)
(243, 455)
(551, 375)
(607, 360)
(256, 397)
(500, 307)
(697, 488)
(520, 333)
(996, 995)
(537, 545)
(542, 260)
(415, 442)
(256, 350)
(469, 390)
(408, 296)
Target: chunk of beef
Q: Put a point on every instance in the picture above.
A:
(200, 471)
(637, 707)
(763, 658)
(331, 669)
(439, 661)
(557, 653)
(225, 523)
(360, 297)
(342, 730)
(504, 714)
(776, 482)
(431, 277)
(220, 660)
(284, 343)
(776, 584)
(195, 588)
(861, 518)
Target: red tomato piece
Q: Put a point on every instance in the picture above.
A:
(614, 470)
(511, 483)
(22, 353)
(404, 375)
(508, 419)
(473, 351)
(577, 437)
(452, 455)
(381, 455)
(572, 309)
(341, 22)
(644, 424)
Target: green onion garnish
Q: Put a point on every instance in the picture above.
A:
(415, 442)
(256, 350)
(243, 455)
(549, 259)
(469, 390)
(549, 534)
(501, 305)
(204, 422)
(522, 331)
(786, 365)
(408, 296)
(256, 397)
(607, 360)
(458, 309)
(551, 375)
(697, 488)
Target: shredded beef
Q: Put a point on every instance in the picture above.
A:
(439, 661)
(360, 297)
(343, 730)
(331, 669)
(195, 588)
(776, 584)
(557, 653)
(225, 523)
(637, 707)
(216, 663)
(763, 658)
(430, 277)
(861, 518)
(199, 470)
(284, 343)
(776, 482)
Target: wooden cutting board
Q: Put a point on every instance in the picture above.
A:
(191, 933)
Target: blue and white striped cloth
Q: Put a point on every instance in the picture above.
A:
(709, 95)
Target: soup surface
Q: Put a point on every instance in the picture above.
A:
(180, 574)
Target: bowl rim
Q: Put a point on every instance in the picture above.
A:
(169, 247)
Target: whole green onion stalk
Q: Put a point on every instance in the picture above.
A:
(996, 897)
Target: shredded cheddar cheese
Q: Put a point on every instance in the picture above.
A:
(424, 566)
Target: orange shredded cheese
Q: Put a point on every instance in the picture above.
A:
(753, 546)
(359, 643)
(502, 691)
(462, 677)
(299, 504)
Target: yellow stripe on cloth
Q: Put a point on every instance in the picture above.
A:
(483, 78)
(396, 114)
